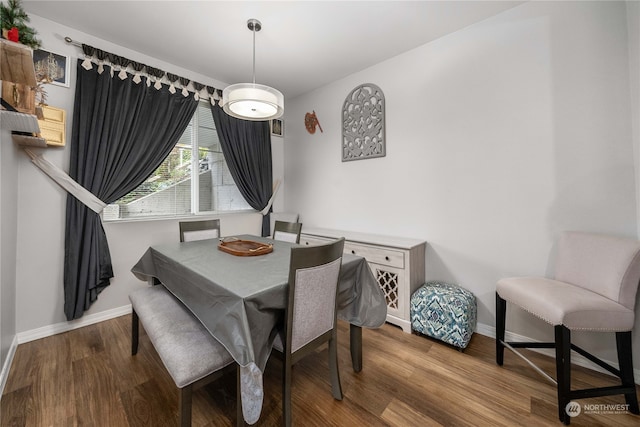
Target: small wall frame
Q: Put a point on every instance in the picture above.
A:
(51, 67)
(277, 127)
(363, 134)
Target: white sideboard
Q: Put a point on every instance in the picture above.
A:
(397, 263)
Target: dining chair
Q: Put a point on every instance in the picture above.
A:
(282, 216)
(199, 230)
(188, 351)
(310, 316)
(594, 289)
(287, 231)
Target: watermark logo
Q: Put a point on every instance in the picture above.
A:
(606, 409)
(573, 409)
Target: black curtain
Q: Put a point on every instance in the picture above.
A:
(246, 146)
(122, 131)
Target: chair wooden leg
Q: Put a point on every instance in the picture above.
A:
(135, 330)
(239, 415)
(625, 360)
(501, 314)
(563, 370)
(184, 406)
(336, 388)
(286, 390)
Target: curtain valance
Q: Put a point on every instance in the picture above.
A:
(125, 68)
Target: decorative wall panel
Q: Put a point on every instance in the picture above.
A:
(363, 123)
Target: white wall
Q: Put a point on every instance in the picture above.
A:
(41, 204)
(499, 136)
(633, 38)
(8, 242)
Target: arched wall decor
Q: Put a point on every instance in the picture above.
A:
(363, 123)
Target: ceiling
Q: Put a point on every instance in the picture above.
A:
(303, 44)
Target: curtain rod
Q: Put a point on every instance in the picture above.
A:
(70, 41)
(151, 70)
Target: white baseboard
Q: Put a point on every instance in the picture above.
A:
(58, 328)
(7, 364)
(576, 359)
(49, 330)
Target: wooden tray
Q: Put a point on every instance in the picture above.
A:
(245, 247)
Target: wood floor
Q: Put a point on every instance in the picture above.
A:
(87, 377)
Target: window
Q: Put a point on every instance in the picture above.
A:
(193, 179)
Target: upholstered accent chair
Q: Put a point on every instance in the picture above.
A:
(594, 289)
(287, 231)
(199, 230)
(310, 317)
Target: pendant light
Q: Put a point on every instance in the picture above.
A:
(251, 101)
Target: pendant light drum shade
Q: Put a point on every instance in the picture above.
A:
(251, 101)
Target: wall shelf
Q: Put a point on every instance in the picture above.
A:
(21, 122)
(16, 63)
(29, 141)
(18, 76)
(52, 125)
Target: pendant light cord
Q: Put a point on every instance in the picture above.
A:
(254, 54)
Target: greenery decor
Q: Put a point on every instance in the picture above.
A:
(13, 15)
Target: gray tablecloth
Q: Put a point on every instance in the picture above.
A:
(240, 299)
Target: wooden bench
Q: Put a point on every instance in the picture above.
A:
(190, 354)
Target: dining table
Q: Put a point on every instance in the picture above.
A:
(241, 300)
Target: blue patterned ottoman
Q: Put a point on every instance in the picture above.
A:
(443, 311)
